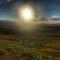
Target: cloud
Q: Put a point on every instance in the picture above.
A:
(8, 1)
(41, 18)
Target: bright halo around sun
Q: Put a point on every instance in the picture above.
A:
(26, 13)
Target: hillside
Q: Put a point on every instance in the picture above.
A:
(42, 43)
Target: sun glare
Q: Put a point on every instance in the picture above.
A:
(26, 13)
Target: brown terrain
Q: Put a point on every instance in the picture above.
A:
(46, 38)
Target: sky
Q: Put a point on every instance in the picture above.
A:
(46, 8)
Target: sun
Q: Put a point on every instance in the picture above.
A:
(26, 14)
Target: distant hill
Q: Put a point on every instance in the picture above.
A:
(8, 27)
(55, 18)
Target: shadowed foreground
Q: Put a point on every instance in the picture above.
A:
(40, 44)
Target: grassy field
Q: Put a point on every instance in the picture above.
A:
(40, 44)
(29, 49)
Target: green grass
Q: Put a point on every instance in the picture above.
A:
(24, 47)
